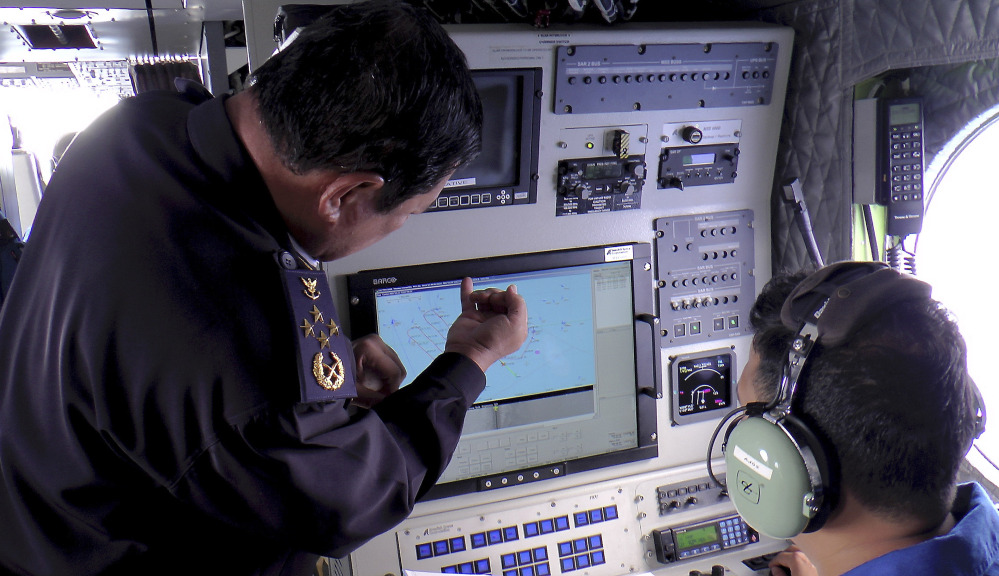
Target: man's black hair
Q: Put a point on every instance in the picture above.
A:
(374, 86)
(895, 403)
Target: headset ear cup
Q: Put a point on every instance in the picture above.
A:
(768, 478)
(820, 467)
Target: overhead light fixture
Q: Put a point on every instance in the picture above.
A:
(69, 14)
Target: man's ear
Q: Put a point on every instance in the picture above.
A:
(349, 191)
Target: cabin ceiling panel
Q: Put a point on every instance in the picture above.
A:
(118, 33)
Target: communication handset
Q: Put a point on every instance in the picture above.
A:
(900, 164)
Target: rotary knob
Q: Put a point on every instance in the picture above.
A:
(692, 134)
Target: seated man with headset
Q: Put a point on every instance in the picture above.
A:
(858, 413)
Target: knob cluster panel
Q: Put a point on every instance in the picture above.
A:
(705, 276)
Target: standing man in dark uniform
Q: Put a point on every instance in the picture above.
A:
(176, 395)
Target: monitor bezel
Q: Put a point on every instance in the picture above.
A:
(362, 286)
(525, 189)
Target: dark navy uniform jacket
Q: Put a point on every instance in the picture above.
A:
(151, 418)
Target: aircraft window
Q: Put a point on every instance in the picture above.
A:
(43, 114)
(954, 255)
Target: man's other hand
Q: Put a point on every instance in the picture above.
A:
(378, 371)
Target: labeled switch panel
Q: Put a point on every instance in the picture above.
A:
(584, 535)
(624, 78)
(705, 266)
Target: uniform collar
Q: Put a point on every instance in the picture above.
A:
(227, 161)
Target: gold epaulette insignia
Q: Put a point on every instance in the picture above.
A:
(331, 380)
(322, 378)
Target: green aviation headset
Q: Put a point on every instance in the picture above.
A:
(779, 477)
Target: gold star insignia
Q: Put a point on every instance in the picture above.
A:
(317, 316)
(307, 327)
(324, 340)
(334, 329)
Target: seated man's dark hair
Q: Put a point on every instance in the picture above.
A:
(373, 86)
(894, 404)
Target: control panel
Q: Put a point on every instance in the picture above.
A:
(683, 542)
(705, 275)
(639, 524)
(619, 78)
(558, 537)
(698, 154)
(604, 169)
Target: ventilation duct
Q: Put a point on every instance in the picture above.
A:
(56, 36)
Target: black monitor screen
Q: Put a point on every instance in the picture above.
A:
(498, 164)
(571, 397)
(505, 172)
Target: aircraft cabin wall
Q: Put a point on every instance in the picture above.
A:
(660, 137)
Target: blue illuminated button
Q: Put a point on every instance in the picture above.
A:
(596, 516)
(482, 566)
(596, 541)
(449, 570)
(510, 533)
(524, 557)
(479, 540)
(568, 565)
(543, 569)
(527, 571)
(466, 568)
(457, 544)
(440, 548)
(579, 545)
(540, 554)
(565, 548)
(508, 560)
(583, 561)
(509, 573)
(562, 523)
(495, 536)
(610, 513)
(598, 557)
(424, 551)
(531, 530)
(581, 519)
(547, 526)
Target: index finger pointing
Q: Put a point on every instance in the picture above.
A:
(466, 295)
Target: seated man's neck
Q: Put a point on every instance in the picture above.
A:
(853, 535)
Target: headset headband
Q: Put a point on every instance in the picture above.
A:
(831, 305)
